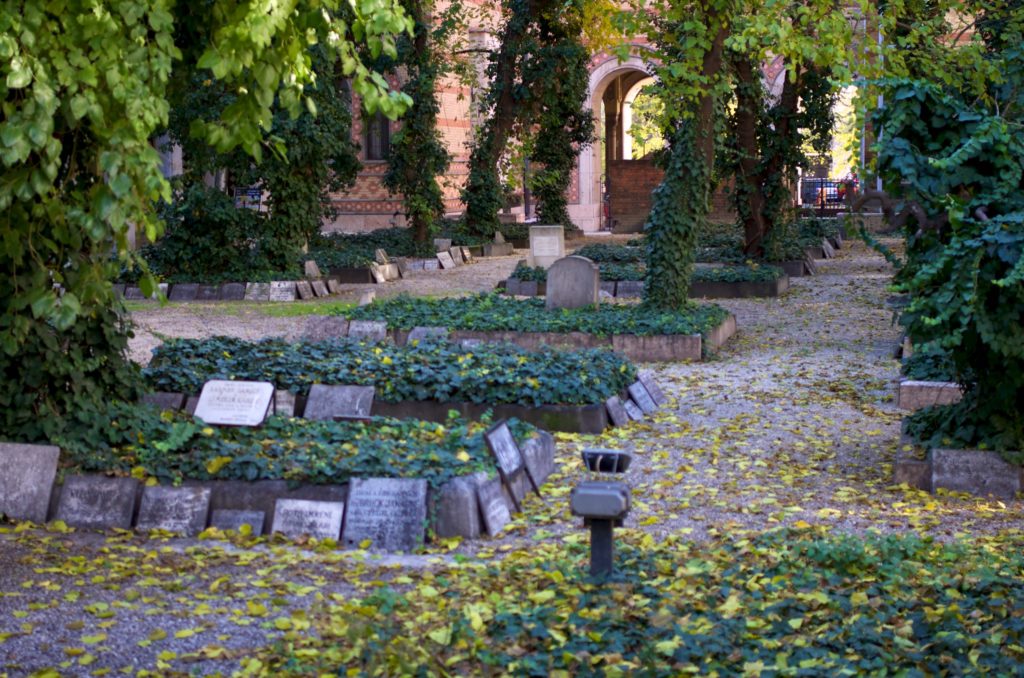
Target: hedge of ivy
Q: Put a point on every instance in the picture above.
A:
(493, 312)
(931, 364)
(428, 370)
(141, 441)
(615, 272)
(356, 250)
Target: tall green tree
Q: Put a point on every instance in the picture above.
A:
(85, 85)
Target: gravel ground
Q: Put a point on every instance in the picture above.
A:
(793, 422)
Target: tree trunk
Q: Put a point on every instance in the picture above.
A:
(750, 198)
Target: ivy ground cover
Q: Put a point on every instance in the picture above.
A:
(493, 312)
(425, 370)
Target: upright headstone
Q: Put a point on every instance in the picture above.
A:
(629, 288)
(616, 411)
(499, 237)
(284, 403)
(174, 509)
(304, 289)
(377, 272)
(339, 402)
(368, 330)
(297, 517)
(421, 333)
(323, 327)
(547, 245)
(367, 297)
(431, 265)
(208, 293)
(442, 244)
(319, 288)
(234, 403)
(381, 257)
(311, 270)
(445, 259)
(333, 286)
(257, 292)
(650, 383)
(97, 503)
(573, 282)
(164, 400)
(234, 519)
(456, 254)
(467, 255)
(389, 512)
(232, 291)
(492, 506)
(633, 410)
(642, 398)
(183, 292)
(26, 480)
(283, 290)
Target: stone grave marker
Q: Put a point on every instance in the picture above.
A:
(333, 286)
(616, 411)
(184, 292)
(233, 519)
(320, 519)
(573, 282)
(283, 290)
(442, 244)
(415, 264)
(377, 272)
(402, 264)
(445, 259)
(547, 245)
(492, 506)
(642, 398)
(208, 293)
(368, 330)
(390, 271)
(257, 291)
(232, 291)
(633, 410)
(390, 512)
(827, 250)
(381, 257)
(234, 403)
(629, 288)
(190, 405)
(284, 403)
(320, 288)
(509, 457)
(26, 480)
(311, 270)
(467, 255)
(164, 400)
(367, 297)
(133, 293)
(980, 472)
(323, 327)
(339, 402)
(499, 237)
(174, 509)
(97, 503)
(421, 333)
(650, 383)
(456, 255)
(304, 290)
(431, 265)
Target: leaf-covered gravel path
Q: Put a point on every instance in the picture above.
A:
(794, 424)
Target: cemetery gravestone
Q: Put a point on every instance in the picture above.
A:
(27, 473)
(442, 244)
(421, 333)
(175, 509)
(431, 265)
(467, 255)
(333, 286)
(312, 271)
(320, 519)
(333, 402)
(616, 411)
(643, 398)
(367, 297)
(96, 502)
(234, 403)
(499, 237)
(304, 290)
(132, 293)
(547, 245)
(492, 506)
(283, 290)
(573, 282)
(232, 291)
(504, 448)
(208, 293)
(649, 382)
(165, 400)
(390, 512)
(284, 403)
(319, 288)
(368, 330)
(321, 328)
(456, 254)
(403, 266)
(232, 519)
(445, 259)
(257, 292)
(184, 292)
(381, 257)
(377, 272)
(629, 288)
(633, 410)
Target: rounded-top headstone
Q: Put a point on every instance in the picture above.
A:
(573, 282)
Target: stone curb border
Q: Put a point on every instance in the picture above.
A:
(632, 289)
(913, 394)
(978, 472)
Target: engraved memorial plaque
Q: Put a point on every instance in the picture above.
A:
(26, 480)
(234, 403)
(431, 333)
(339, 402)
(642, 398)
(282, 290)
(333, 286)
(616, 411)
(174, 509)
(647, 379)
(547, 245)
(232, 519)
(493, 508)
(504, 448)
(319, 288)
(320, 519)
(377, 271)
(445, 259)
(304, 290)
(368, 330)
(633, 410)
(390, 512)
(96, 502)
(257, 291)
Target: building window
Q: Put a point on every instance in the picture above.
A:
(377, 136)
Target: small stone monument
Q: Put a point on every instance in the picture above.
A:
(304, 289)
(312, 271)
(390, 512)
(367, 297)
(96, 502)
(547, 245)
(234, 519)
(445, 259)
(368, 330)
(26, 480)
(258, 292)
(320, 519)
(234, 403)
(319, 288)
(492, 506)
(456, 253)
(573, 282)
(643, 398)
(381, 257)
(282, 290)
(633, 410)
(442, 244)
(174, 509)
(616, 411)
(323, 327)
(339, 402)
(434, 333)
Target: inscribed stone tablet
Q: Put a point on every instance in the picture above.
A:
(381, 256)
(633, 410)
(232, 291)
(320, 519)
(232, 519)
(208, 293)
(445, 259)
(234, 403)
(328, 402)
(390, 512)
(431, 265)
(433, 333)
(572, 283)
(282, 290)
(467, 255)
(390, 272)
(442, 244)
(257, 291)
(547, 245)
(333, 286)
(319, 288)
(493, 507)
(323, 327)
(183, 292)
(174, 509)
(980, 472)
(165, 400)
(97, 503)
(304, 290)
(377, 272)
(368, 330)
(647, 379)
(643, 398)
(284, 403)
(416, 264)
(26, 479)
(504, 448)
(616, 411)
(456, 254)
(629, 288)
(367, 297)
(311, 270)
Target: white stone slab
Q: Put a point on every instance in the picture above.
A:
(234, 403)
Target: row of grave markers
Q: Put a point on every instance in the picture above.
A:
(384, 268)
(645, 397)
